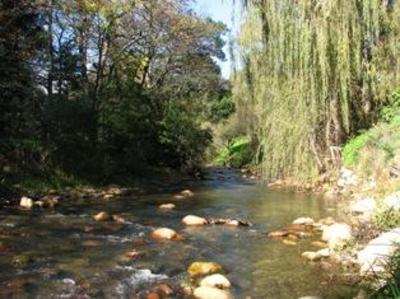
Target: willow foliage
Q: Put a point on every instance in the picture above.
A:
(315, 72)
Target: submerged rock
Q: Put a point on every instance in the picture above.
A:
(216, 281)
(102, 216)
(164, 234)
(319, 244)
(26, 202)
(21, 260)
(337, 234)
(205, 292)
(165, 289)
(192, 220)
(311, 256)
(167, 206)
(289, 242)
(303, 221)
(50, 201)
(203, 268)
(187, 193)
(134, 254)
(317, 255)
(278, 234)
(118, 219)
(230, 222)
(184, 194)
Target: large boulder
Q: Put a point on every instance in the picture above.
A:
(205, 292)
(164, 234)
(203, 268)
(192, 220)
(216, 281)
(337, 234)
(376, 255)
(364, 206)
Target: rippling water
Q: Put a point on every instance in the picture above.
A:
(65, 254)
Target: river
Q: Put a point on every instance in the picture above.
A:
(64, 253)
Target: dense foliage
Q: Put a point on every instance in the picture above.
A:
(102, 87)
(315, 73)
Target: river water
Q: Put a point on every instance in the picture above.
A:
(64, 253)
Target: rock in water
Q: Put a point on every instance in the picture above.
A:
(337, 234)
(134, 254)
(102, 216)
(165, 289)
(118, 219)
(303, 221)
(289, 242)
(192, 220)
(216, 281)
(153, 296)
(311, 256)
(203, 268)
(211, 293)
(278, 234)
(26, 202)
(167, 206)
(187, 193)
(164, 234)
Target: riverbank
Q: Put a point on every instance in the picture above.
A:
(67, 187)
(363, 238)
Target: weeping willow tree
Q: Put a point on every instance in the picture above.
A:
(315, 73)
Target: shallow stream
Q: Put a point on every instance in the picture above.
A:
(64, 253)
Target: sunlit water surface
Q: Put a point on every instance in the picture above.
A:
(65, 254)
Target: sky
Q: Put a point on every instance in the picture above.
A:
(220, 10)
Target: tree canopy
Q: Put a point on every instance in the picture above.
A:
(101, 87)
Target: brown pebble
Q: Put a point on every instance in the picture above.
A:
(102, 216)
(278, 234)
(134, 254)
(165, 289)
(153, 296)
(118, 219)
(296, 227)
(289, 242)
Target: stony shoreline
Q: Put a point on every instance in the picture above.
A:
(358, 243)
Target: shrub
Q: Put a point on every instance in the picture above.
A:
(239, 152)
(387, 218)
(351, 151)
